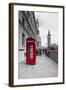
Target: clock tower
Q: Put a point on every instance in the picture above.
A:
(49, 38)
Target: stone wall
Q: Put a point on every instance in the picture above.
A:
(54, 55)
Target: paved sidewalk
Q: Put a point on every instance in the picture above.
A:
(45, 67)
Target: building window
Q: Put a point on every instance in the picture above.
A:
(28, 13)
(23, 39)
(38, 44)
(23, 21)
(28, 28)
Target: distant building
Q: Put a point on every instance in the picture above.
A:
(49, 38)
(28, 27)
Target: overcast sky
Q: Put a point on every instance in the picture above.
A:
(48, 21)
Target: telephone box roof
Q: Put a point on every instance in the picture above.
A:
(30, 39)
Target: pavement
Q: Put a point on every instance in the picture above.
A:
(45, 67)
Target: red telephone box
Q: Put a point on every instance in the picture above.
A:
(30, 51)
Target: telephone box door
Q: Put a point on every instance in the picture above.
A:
(30, 51)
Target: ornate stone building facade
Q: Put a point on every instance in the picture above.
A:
(28, 27)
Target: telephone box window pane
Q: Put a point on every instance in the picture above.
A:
(31, 52)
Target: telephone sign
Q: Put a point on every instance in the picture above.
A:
(30, 51)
